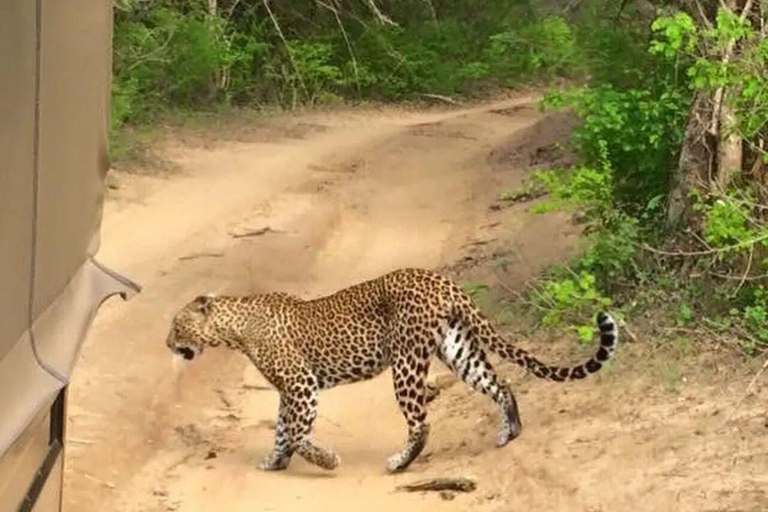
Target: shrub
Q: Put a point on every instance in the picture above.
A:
(637, 132)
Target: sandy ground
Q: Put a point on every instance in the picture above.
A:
(347, 196)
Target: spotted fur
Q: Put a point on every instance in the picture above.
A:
(399, 320)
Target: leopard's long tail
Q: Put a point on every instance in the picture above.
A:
(487, 336)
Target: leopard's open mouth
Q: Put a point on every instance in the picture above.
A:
(186, 352)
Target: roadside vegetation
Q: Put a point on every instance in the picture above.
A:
(671, 184)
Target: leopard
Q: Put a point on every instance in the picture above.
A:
(402, 320)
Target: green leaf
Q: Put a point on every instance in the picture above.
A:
(586, 333)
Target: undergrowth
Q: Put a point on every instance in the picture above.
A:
(708, 281)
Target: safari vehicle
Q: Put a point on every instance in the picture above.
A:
(55, 59)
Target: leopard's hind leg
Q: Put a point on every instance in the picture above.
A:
(459, 349)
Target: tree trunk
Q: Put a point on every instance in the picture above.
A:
(695, 163)
(729, 152)
(729, 149)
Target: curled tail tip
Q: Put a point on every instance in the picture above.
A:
(607, 326)
(605, 322)
(609, 336)
(608, 340)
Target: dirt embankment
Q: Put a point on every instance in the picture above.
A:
(309, 204)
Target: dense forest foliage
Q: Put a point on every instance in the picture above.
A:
(672, 98)
(196, 54)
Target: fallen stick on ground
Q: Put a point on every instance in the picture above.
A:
(474, 243)
(460, 484)
(105, 483)
(254, 232)
(202, 255)
(440, 97)
(75, 440)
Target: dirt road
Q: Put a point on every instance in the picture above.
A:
(308, 204)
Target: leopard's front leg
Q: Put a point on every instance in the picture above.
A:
(301, 412)
(298, 389)
(281, 455)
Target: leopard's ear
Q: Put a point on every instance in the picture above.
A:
(202, 303)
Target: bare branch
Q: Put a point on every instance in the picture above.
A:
(287, 47)
(380, 16)
(703, 15)
(739, 278)
(150, 57)
(572, 4)
(335, 11)
(232, 8)
(432, 10)
(740, 245)
(747, 270)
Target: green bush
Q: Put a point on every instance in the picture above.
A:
(308, 76)
(636, 132)
(165, 59)
(583, 187)
(755, 314)
(542, 49)
(726, 223)
(612, 250)
(568, 298)
(628, 142)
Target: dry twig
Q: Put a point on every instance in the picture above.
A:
(745, 243)
(474, 243)
(254, 232)
(75, 440)
(201, 255)
(440, 97)
(703, 15)
(461, 484)
(380, 16)
(739, 278)
(746, 271)
(232, 8)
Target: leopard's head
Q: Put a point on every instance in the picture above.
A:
(192, 328)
